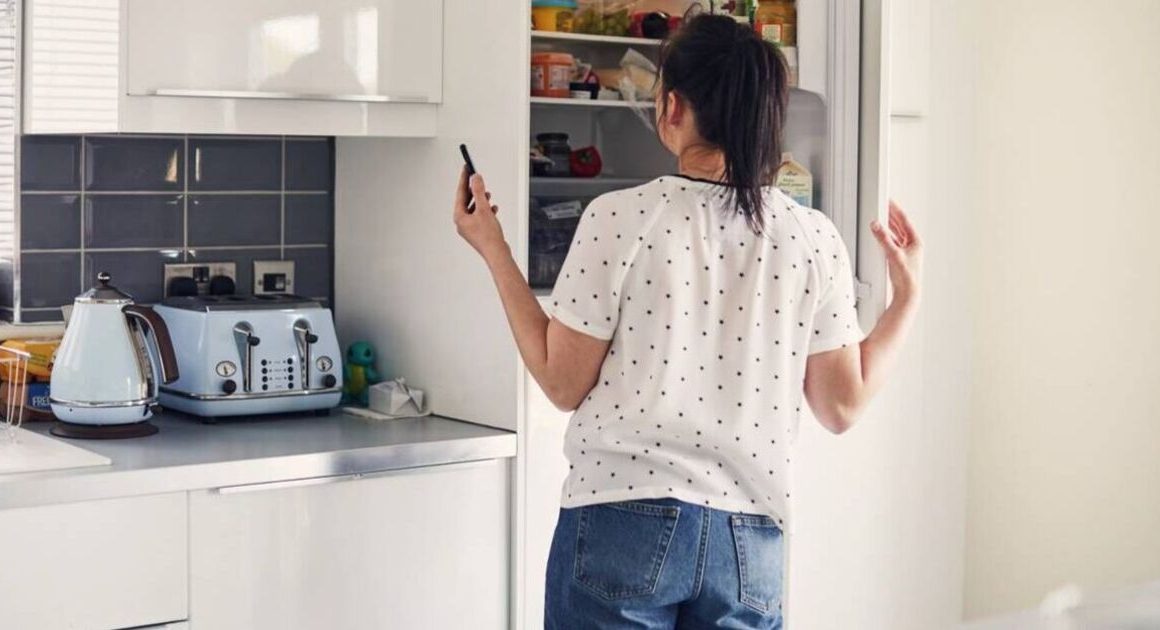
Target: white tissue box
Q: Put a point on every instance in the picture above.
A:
(397, 399)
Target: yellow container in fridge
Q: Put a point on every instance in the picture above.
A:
(553, 15)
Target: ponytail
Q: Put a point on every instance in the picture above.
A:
(736, 85)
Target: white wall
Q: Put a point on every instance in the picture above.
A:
(880, 510)
(1065, 438)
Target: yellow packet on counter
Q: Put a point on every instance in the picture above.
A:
(41, 353)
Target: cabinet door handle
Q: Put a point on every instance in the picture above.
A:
(287, 96)
(281, 485)
(374, 474)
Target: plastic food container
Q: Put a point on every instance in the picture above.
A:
(584, 91)
(548, 242)
(604, 17)
(555, 147)
(552, 74)
(553, 15)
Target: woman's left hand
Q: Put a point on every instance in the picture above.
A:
(479, 226)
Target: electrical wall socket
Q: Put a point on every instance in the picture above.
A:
(201, 273)
(273, 276)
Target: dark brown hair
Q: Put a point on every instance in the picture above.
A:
(736, 85)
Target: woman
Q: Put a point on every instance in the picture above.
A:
(691, 316)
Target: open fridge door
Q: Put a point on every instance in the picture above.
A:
(874, 160)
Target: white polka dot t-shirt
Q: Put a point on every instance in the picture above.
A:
(710, 325)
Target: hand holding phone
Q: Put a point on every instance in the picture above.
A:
(483, 231)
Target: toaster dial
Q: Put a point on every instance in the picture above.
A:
(324, 364)
(225, 369)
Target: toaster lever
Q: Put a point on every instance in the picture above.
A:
(303, 338)
(245, 339)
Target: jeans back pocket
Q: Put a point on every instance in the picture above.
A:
(621, 547)
(759, 557)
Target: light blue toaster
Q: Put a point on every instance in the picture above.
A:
(251, 355)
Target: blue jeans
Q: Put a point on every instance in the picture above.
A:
(663, 563)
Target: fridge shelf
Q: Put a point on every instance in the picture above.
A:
(581, 186)
(580, 102)
(596, 39)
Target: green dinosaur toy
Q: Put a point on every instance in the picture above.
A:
(360, 373)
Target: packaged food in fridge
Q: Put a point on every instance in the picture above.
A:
(604, 17)
(776, 21)
(555, 147)
(635, 79)
(609, 77)
(552, 74)
(564, 210)
(553, 15)
(541, 165)
(796, 181)
(584, 90)
(553, 225)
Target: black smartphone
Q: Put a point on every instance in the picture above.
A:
(470, 171)
(467, 160)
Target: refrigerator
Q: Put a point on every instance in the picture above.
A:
(835, 127)
(838, 124)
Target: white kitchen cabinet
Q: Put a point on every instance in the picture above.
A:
(342, 67)
(118, 563)
(420, 548)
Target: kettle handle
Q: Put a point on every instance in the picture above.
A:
(160, 333)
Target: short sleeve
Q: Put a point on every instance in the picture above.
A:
(835, 323)
(586, 297)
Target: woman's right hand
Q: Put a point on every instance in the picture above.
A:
(903, 253)
(478, 225)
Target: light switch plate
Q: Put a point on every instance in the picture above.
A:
(200, 272)
(273, 276)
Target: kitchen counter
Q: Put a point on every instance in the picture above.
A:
(189, 455)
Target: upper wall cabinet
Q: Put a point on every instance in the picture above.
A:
(340, 67)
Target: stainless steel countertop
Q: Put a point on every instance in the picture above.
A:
(189, 455)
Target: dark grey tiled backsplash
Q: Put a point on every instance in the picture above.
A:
(128, 204)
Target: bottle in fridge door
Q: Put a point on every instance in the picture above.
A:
(796, 181)
(776, 21)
